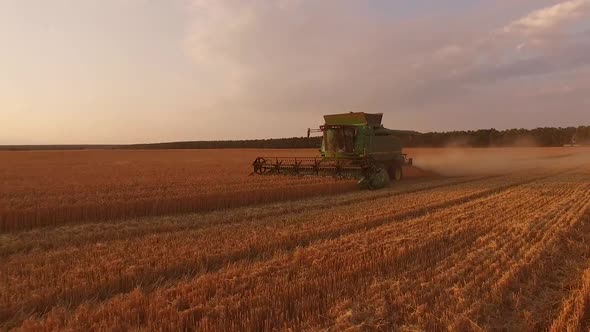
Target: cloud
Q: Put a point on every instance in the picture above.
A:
(550, 17)
(330, 56)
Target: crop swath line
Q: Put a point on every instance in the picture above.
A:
(492, 238)
(551, 264)
(190, 316)
(535, 259)
(188, 269)
(460, 267)
(409, 260)
(532, 211)
(297, 230)
(12, 221)
(575, 311)
(478, 272)
(427, 284)
(237, 220)
(45, 238)
(368, 269)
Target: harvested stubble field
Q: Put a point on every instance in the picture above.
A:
(499, 240)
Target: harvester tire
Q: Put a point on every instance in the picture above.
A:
(378, 178)
(396, 173)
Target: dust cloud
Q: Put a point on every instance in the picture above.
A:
(495, 161)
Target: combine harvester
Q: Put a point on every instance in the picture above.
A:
(354, 145)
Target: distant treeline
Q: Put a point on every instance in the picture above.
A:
(548, 136)
(473, 138)
(272, 143)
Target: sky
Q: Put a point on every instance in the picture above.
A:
(135, 71)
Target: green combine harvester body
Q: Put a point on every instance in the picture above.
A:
(354, 145)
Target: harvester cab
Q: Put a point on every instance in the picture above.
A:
(354, 145)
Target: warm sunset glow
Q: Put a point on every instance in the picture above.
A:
(126, 71)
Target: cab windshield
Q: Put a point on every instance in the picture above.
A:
(339, 139)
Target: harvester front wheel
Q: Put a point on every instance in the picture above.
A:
(396, 173)
(378, 178)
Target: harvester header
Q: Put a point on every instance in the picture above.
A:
(353, 145)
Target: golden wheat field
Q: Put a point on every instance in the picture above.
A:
(475, 239)
(41, 188)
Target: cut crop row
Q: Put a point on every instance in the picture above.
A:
(474, 286)
(300, 288)
(85, 233)
(62, 276)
